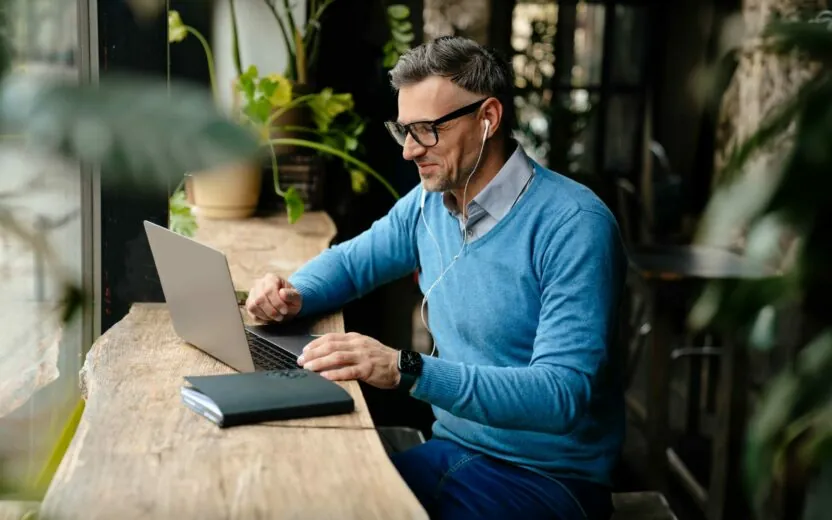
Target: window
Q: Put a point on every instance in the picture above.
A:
(40, 356)
(581, 84)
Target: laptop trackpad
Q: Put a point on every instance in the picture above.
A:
(293, 343)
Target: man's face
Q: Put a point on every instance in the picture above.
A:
(446, 165)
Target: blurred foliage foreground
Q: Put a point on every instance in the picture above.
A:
(141, 132)
(779, 183)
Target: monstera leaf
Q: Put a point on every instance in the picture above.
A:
(135, 128)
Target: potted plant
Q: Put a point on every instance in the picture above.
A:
(270, 104)
(228, 192)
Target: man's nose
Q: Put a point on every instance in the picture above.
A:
(412, 149)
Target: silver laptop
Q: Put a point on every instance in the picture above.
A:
(203, 306)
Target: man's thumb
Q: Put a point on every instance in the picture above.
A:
(290, 295)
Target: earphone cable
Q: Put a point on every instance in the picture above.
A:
(464, 239)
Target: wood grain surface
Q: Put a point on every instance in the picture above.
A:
(140, 453)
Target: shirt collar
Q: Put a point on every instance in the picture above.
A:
(499, 195)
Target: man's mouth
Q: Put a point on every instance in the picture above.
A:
(425, 167)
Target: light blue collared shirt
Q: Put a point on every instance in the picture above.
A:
(497, 198)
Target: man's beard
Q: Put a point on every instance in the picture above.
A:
(438, 183)
(442, 181)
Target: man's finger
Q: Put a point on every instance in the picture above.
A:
(326, 349)
(323, 340)
(290, 296)
(349, 373)
(277, 304)
(337, 359)
(266, 306)
(256, 312)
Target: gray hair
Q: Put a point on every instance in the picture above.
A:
(467, 64)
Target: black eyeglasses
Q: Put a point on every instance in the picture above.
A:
(425, 132)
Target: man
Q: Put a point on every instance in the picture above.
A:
(522, 269)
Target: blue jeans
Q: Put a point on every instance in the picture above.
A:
(453, 482)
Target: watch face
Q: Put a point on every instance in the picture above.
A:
(411, 362)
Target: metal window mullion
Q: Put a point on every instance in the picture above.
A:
(88, 73)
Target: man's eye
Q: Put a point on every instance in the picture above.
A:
(422, 129)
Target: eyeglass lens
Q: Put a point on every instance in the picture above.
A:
(422, 132)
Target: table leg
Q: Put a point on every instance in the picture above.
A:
(658, 395)
(726, 499)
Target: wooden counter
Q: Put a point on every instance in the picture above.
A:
(140, 453)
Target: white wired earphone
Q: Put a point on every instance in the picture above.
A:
(464, 232)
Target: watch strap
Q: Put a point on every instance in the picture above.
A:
(407, 381)
(410, 368)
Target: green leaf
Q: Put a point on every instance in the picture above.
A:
(246, 82)
(818, 447)
(73, 300)
(258, 110)
(390, 60)
(358, 181)
(401, 47)
(398, 12)
(328, 105)
(136, 128)
(350, 143)
(181, 219)
(294, 204)
(818, 497)
(791, 406)
(809, 38)
(176, 28)
(402, 27)
(769, 421)
(726, 304)
(763, 330)
(401, 36)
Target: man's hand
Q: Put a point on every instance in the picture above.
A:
(341, 357)
(273, 299)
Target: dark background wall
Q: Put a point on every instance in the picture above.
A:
(351, 61)
(128, 272)
(684, 119)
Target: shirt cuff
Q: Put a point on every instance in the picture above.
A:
(308, 301)
(439, 382)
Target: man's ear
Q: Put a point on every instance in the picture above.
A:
(492, 111)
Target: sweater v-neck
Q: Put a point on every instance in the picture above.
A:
(531, 190)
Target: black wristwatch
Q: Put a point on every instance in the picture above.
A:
(410, 367)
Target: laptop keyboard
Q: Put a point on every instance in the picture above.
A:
(268, 357)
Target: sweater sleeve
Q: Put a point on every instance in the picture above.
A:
(580, 285)
(383, 253)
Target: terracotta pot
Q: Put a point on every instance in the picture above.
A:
(230, 192)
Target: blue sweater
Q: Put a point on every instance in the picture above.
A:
(524, 322)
